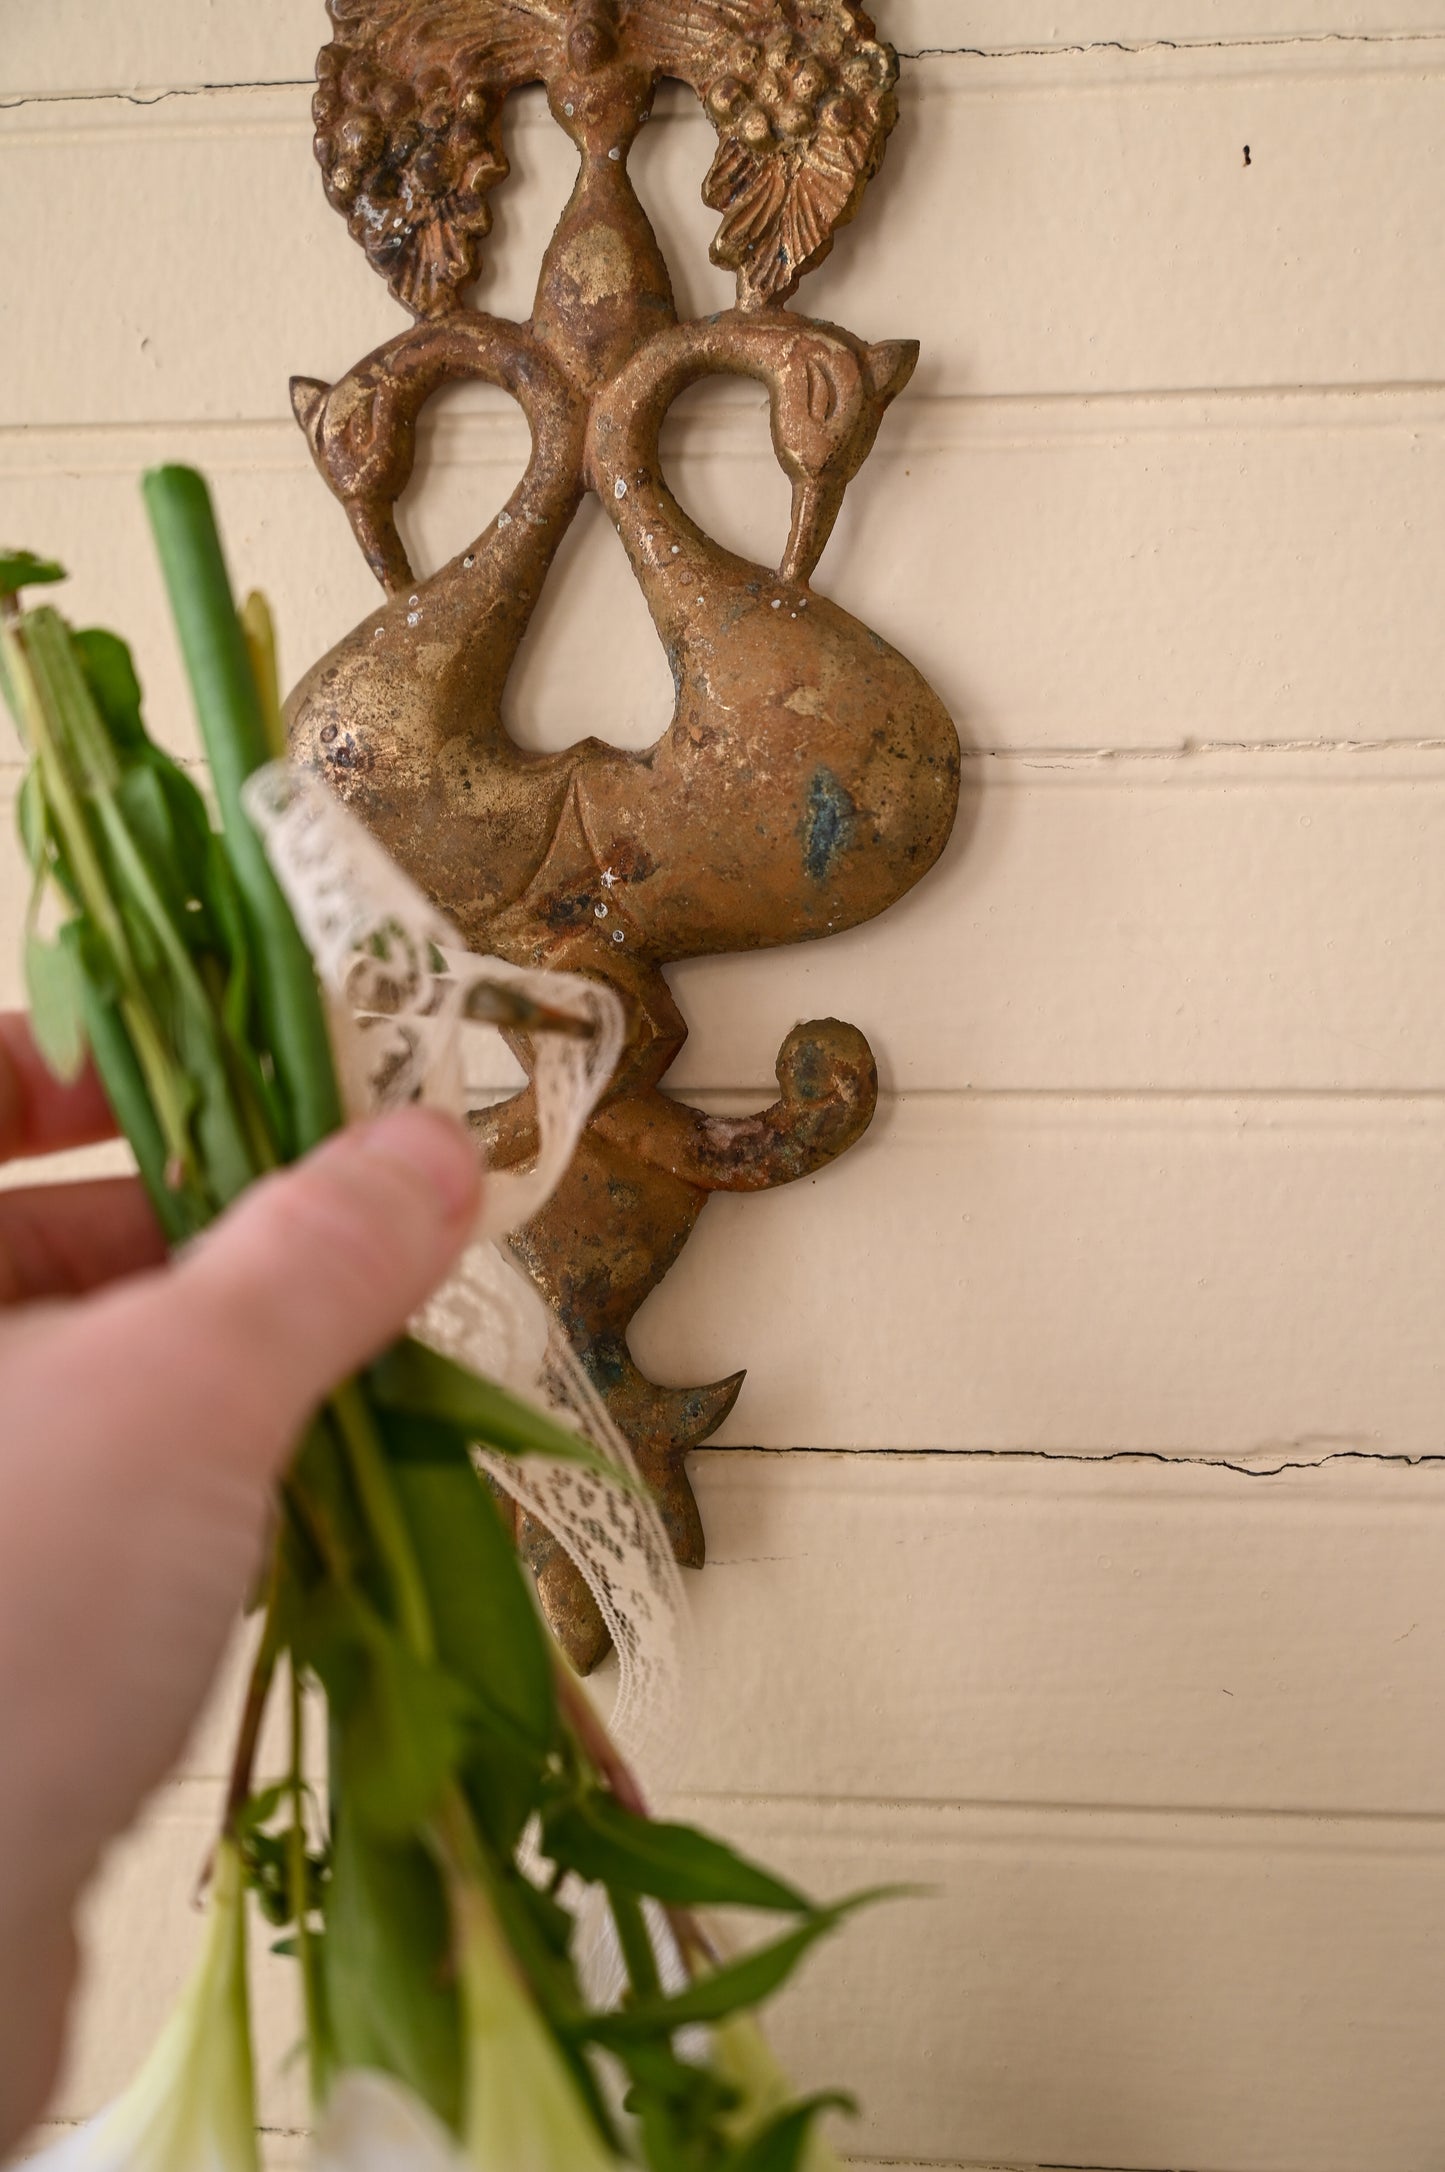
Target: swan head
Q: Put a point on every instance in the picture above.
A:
(828, 402)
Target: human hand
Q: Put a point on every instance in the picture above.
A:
(146, 1407)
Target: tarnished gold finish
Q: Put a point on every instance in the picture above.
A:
(809, 776)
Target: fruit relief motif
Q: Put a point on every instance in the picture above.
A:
(809, 777)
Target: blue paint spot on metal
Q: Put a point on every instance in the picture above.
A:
(828, 823)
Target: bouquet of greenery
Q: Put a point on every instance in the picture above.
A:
(429, 1887)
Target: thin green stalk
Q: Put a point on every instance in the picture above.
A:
(150, 1046)
(695, 1948)
(39, 689)
(231, 714)
(366, 1460)
(635, 1939)
(23, 668)
(114, 1057)
(260, 630)
(258, 1695)
(317, 2058)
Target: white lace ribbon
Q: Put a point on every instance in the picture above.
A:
(398, 980)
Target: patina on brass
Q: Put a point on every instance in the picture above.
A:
(809, 776)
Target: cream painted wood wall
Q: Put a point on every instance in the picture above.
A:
(1079, 1539)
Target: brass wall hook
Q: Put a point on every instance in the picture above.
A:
(809, 777)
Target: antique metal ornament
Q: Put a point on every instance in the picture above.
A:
(809, 776)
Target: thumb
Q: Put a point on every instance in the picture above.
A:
(315, 1271)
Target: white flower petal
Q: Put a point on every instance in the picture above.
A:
(191, 2108)
(374, 2124)
(524, 2111)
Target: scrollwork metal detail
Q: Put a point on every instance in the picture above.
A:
(809, 777)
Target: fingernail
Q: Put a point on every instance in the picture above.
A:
(434, 1147)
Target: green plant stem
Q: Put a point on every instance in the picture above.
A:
(318, 2062)
(695, 1948)
(366, 1459)
(120, 1074)
(24, 670)
(231, 714)
(260, 630)
(253, 1713)
(40, 670)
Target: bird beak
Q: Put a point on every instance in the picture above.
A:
(817, 500)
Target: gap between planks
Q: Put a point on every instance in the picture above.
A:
(735, 424)
(944, 70)
(1281, 43)
(188, 1800)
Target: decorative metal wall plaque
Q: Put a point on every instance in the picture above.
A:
(809, 776)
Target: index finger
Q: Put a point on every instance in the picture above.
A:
(37, 1114)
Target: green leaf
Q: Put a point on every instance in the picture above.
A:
(735, 1987)
(386, 1955)
(782, 2146)
(484, 1616)
(33, 819)
(142, 801)
(262, 1807)
(53, 990)
(399, 1721)
(180, 1213)
(22, 569)
(110, 674)
(400, 1741)
(678, 2106)
(485, 1621)
(605, 1843)
(420, 1381)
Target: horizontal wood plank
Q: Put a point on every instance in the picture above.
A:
(1308, 265)
(1115, 574)
(1205, 926)
(1069, 1989)
(69, 49)
(1194, 926)
(292, 2152)
(1026, 1631)
(1097, 1990)
(1252, 1280)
